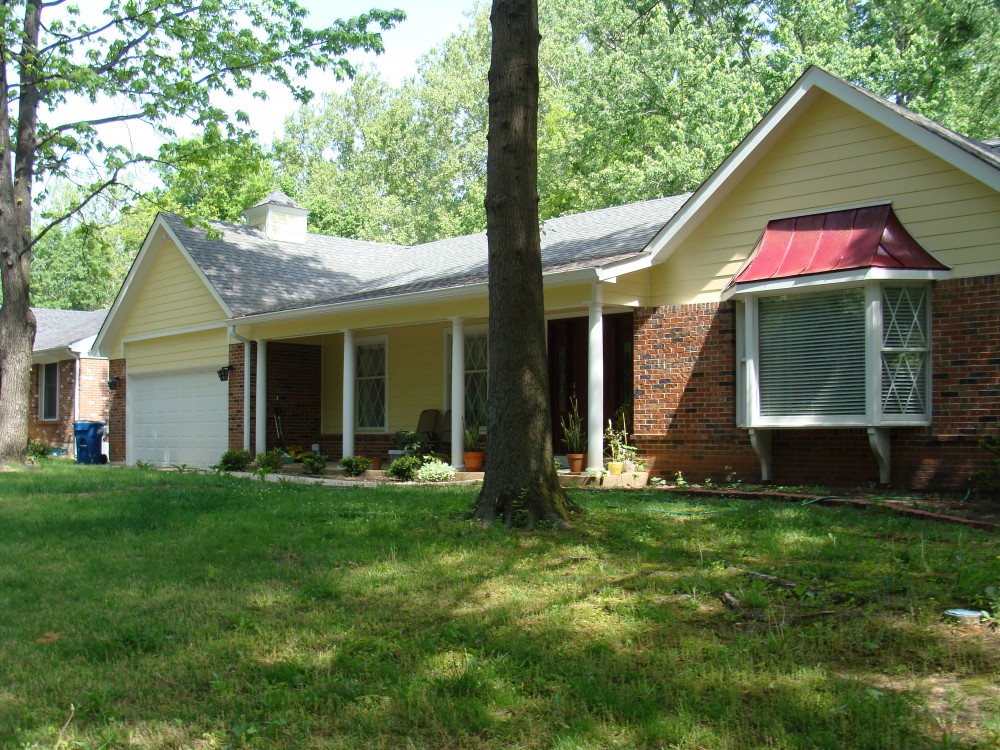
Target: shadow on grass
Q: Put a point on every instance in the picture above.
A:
(173, 610)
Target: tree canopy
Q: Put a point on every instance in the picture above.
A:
(71, 74)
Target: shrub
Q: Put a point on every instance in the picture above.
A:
(273, 459)
(313, 463)
(405, 468)
(407, 440)
(435, 470)
(234, 461)
(38, 449)
(988, 481)
(355, 466)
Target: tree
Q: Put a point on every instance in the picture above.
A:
(521, 486)
(150, 61)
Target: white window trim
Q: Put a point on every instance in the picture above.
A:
(382, 340)
(470, 331)
(747, 363)
(42, 383)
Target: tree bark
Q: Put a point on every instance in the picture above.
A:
(17, 322)
(521, 485)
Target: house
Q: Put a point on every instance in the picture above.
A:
(68, 383)
(824, 308)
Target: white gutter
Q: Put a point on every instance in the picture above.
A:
(399, 300)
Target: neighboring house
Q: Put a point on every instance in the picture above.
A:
(824, 308)
(67, 382)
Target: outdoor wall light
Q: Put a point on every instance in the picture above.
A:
(224, 371)
(113, 382)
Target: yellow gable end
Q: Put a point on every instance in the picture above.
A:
(171, 296)
(833, 157)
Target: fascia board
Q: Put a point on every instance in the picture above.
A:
(137, 272)
(55, 354)
(830, 280)
(556, 279)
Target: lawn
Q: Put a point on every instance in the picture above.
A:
(164, 610)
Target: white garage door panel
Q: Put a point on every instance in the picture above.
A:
(177, 419)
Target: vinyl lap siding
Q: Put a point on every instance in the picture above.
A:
(837, 156)
(171, 296)
(181, 352)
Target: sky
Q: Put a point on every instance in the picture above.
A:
(428, 22)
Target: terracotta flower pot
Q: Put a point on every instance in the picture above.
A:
(473, 460)
(575, 461)
(376, 462)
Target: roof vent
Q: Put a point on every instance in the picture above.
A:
(279, 217)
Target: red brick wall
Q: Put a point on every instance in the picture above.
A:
(60, 430)
(685, 393)
(237, 382)
(294, 382)
(685, 400)
(116, 410)
(94, 389)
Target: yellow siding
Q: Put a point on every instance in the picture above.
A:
(190, 350)
(170, 296)
(835, 156)
(631, 290)
(416, 361)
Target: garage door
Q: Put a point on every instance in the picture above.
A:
(177, 419)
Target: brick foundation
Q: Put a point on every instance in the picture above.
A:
(685, 400)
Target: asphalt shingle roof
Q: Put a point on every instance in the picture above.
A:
(254, 274)
(63, 327)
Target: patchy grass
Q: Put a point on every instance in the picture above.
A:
(168, 610)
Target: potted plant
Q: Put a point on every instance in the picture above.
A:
(616, 444)
(473, 455)
(407, 443)
(575, 437)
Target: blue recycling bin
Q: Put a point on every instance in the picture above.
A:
(89, 437)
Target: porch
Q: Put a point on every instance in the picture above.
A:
(349, 391)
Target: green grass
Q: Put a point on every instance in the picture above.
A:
(167, 610)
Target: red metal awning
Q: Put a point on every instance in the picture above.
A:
(835, 241)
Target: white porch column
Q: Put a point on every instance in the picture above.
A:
(595, 388)
(350, 399)
(457, 392)
(260, 440)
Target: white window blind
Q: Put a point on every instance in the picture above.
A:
(812, 354)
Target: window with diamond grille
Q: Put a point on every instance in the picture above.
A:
(476, 362)
(905, 350)
(370, 382)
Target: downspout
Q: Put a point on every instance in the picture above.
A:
(246, 384)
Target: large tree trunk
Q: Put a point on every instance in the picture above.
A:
(17, 323)
(521, 485)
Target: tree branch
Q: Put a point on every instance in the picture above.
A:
(113, 180)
